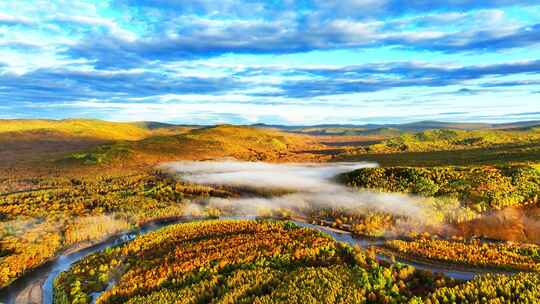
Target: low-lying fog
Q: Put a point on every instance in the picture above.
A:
(296, 177)
(310, 186)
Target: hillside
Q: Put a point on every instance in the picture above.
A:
(225, 141)
(426, 136)
(439, 147)
(532, 128)
(24, 140)
(96, 129)
(96, 142)
(483, 187)
(445, 139)
(222, 141)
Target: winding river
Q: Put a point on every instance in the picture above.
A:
(37, 285)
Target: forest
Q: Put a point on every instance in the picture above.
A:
(480, 218)
(267, 262)
(239, 262)
(482, 188)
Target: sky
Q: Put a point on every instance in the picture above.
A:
(278, 62)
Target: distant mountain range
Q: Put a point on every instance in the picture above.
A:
(7, 125)
(414, 126)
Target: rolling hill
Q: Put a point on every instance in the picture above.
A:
(222, 141)
(22, 140)
(452, 147)
(71, 128)
(445, 139)
(98, 142)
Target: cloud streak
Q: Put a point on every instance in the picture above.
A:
(65, 85)
(209, 39)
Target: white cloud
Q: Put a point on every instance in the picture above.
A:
(14, 20)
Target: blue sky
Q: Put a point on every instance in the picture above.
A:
(280, 62)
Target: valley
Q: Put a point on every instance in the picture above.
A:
(403, 214)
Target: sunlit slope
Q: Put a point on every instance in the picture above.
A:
(443, 139)
(239, 142)
(453, 147)
(95, 129)
(26, 140)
